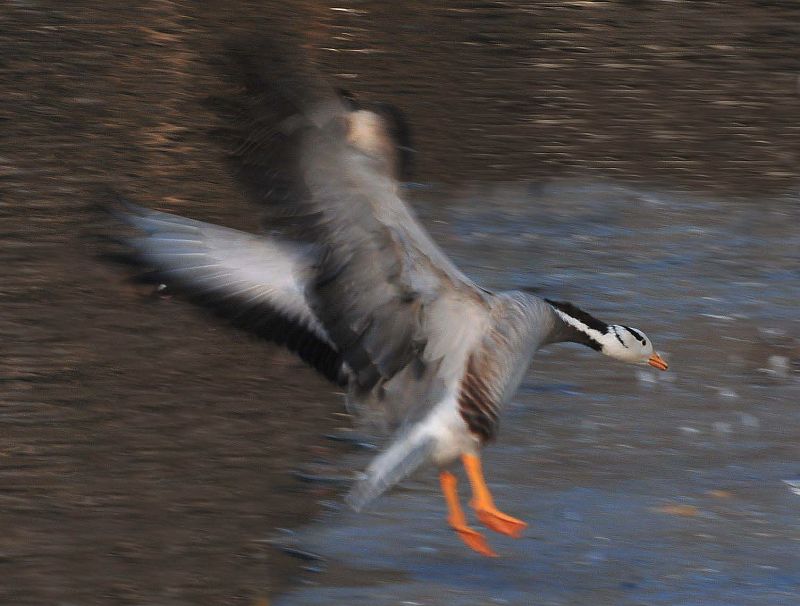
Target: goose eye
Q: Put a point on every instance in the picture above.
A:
(637, 335)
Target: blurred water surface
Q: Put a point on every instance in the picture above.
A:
(641, 487)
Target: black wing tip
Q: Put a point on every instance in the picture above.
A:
(111, 202)
(110, 245)
(277, 69)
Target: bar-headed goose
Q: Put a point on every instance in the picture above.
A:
(360, 291)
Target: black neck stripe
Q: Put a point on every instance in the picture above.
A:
(580, 315)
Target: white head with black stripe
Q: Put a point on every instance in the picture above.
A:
(614, 340)
(629, 345)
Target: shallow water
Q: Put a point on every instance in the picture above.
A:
(640, 487)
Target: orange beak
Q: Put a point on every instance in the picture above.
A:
(657, 361)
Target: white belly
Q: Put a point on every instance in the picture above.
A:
(451, 435)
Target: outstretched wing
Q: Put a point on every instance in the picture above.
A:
(380, 275)
(259, 282)
(274, 94)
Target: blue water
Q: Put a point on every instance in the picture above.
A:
(640, 487)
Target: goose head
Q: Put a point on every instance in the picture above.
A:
(614, 340)
(629, 345)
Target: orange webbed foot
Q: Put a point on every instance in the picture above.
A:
(475, 541)
(458, 521)
(483, 504)
(500, 522)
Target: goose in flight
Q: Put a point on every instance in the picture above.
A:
(356, 287)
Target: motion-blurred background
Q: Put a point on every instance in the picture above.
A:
(640, 158)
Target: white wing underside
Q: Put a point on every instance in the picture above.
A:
(227, 264)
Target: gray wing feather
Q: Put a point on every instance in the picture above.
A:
(260, 282)
(381, 272)
(226, 263)
(397, 462)
(328, 172)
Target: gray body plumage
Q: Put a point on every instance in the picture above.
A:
(371, 300)
(442, 377)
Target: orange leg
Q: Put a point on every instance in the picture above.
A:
(456, 518)
(483, 504)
